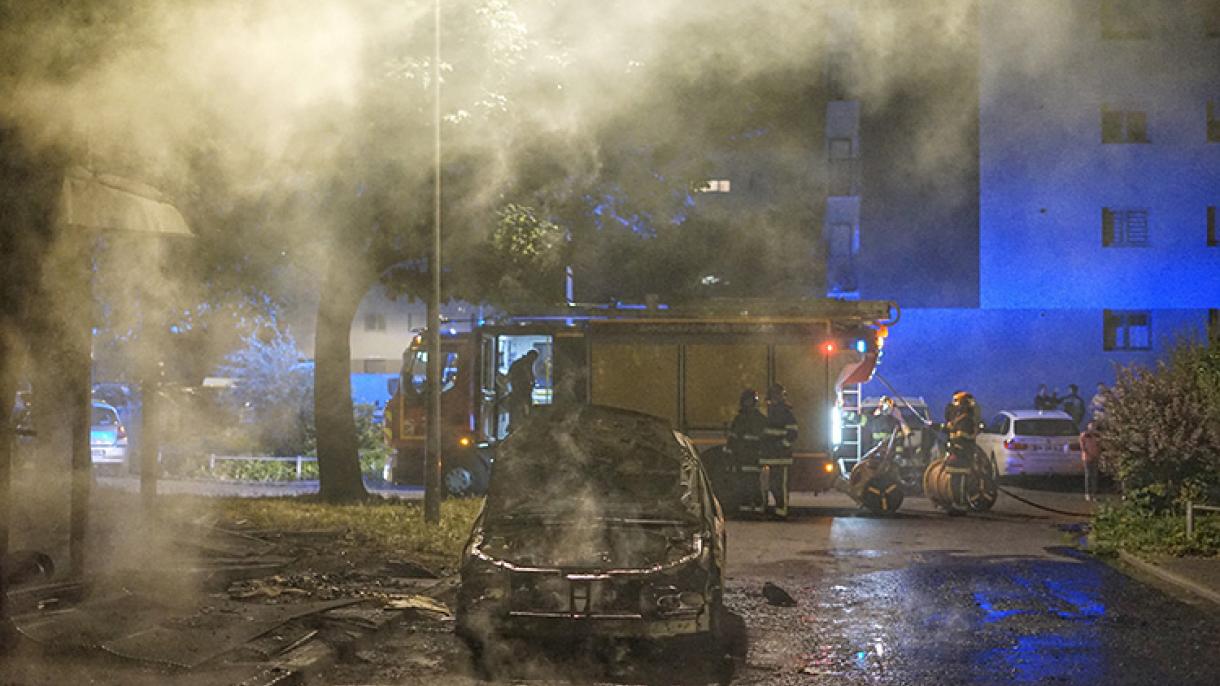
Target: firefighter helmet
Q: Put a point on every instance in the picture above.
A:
(749, 399)
(777, 393)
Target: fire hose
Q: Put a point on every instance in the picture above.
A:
(928, 423)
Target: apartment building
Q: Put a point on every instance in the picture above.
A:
(1099, 178)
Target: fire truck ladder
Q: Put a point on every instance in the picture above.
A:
(852, 427)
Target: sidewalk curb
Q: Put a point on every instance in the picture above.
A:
(1170, 577)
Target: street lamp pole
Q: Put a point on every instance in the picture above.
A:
(432, 468)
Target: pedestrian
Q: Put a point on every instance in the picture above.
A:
(1044, 400)
(1090, 454)
(1097, 406)
(781, 434)
(521, 389)
(1073, 404)
(745, 448)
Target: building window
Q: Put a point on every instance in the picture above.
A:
(1123, 126)
(374, 321)
(1213, 240)
(1124, 227)
(840, 149)
(1213, 122)
(1125, 19)
(1127, 330)
(717, 186)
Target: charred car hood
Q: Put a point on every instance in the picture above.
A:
(589, 546)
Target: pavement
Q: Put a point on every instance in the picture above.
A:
(914, 598)
(1196, 576)
(910, 599)
(1199, 577)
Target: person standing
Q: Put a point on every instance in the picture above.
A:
(963, 429)
(1044, 400)
(1090, 454)
(1073, 404)
(745, 448)
(781, 434)
(521, 389)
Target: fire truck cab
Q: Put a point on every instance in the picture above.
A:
(688, 366)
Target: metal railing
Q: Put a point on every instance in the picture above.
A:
(300, 460)
(1190, 517)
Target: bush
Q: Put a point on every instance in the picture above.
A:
(273, 394)
(1134, 526)
(1161, 430)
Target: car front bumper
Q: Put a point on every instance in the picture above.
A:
(565, 626)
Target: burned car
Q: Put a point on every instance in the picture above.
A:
(598, 522)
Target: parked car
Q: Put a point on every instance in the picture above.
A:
(1028, 442)
(107, 436)
(598, 522)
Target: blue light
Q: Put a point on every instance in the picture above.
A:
(861, 346)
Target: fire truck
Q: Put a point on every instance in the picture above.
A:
(687, 365)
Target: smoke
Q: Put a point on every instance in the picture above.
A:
(291, 133)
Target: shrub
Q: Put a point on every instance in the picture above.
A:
(1135, 527)
(1161, 429)
(273, 394)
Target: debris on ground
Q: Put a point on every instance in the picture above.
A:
(777, 596)
(409, 569)
(422, 604)
(267, 588)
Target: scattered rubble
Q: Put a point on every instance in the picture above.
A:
(777, 596)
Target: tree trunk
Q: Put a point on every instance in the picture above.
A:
(334, 419)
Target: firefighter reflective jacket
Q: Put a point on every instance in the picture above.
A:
(781, 432)
(746, 435)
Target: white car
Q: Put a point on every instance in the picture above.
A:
(1028, 442)
(107, 436)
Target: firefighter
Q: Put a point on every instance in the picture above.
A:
(963, 428)
(779, 437)
(885, 419)
(745, 448)
(521, 390)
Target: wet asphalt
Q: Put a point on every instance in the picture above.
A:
(919, 598)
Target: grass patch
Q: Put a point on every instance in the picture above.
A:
(387, 529)
(1136, 529)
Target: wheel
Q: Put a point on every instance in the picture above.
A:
(882, 495)
(465, 478)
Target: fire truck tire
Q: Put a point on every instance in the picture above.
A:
(465, 478)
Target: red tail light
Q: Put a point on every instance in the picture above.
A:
(1013, 444)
